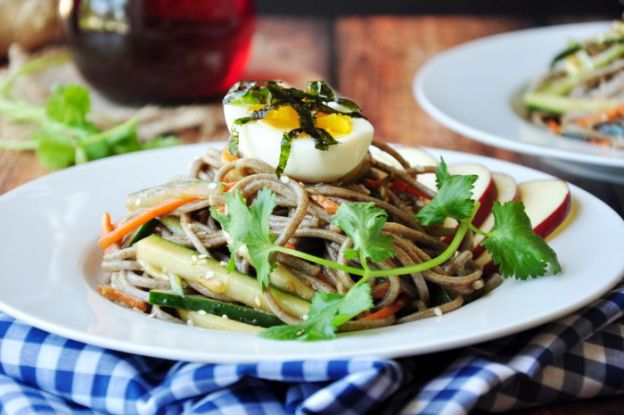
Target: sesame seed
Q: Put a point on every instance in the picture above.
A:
(437, 311)
(257, 301)
(209, 274)
(203, 256)
(189, 322)
(225, 316)
(212, 185)
(304, 317)
(202, 312)
(137, 202)
(284, 179)
(223, 263)
(194, 259)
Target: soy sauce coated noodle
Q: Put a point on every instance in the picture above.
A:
(300, 220)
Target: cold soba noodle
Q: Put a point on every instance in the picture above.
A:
(303, 219)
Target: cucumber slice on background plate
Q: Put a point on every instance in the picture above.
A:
(559, 105)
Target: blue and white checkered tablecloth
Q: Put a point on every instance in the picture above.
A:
(579, 356)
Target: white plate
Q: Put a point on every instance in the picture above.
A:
(51, 267)
(474, 88)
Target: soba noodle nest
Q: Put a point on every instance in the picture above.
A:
(301, 221)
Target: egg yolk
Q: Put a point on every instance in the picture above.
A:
(286, 118)
(335, 124)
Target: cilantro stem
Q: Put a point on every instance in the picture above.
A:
(433, 262)
(477, 230)
(320, 261)
(367, 274)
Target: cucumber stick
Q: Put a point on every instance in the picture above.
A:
(164, 255)
(210, 321)
(285, 280)
(196, 302)
(184, 188)
(173, 224)
(143, 231)
(558, 105)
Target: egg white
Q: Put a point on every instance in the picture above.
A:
(260, 140)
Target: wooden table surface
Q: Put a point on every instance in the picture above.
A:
(373, 60)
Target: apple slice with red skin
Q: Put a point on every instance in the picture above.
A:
(547, 203)
(484, 189)
(506, 190)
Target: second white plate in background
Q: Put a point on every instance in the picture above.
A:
(472, 88)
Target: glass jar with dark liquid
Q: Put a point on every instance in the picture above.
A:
(166, 51)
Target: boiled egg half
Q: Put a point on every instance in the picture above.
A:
(262, 139)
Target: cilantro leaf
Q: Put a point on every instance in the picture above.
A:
(161, 141)
(55, 151)
(327, 313)
(453, 200)
(69, 104)
(248, 227)
(515, 248)
(363, 223)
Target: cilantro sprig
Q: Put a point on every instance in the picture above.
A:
(515, 248)
(63, 135)
(328, 312)
(248, 228)
(512, 244)
(453, 200)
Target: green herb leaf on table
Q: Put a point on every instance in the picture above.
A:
(453, 199)
(248, 227)
(515, 248)
(69, 104)
(65, 136)
(327, 313)
(55, 151)
(363, 223)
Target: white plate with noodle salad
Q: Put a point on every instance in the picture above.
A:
(554, 92)
(204, 253)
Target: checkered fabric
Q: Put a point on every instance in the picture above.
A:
(579, 356)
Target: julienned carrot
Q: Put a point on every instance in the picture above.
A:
(116, 295)
(379, 290)
(401, 186)
(398, 186)
(601, 116)
(107, 225)
(326, 203)
(144, 217)
(386, 311)
(227, 186)
(554, 126)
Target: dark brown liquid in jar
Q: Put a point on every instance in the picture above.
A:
(139, 51)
